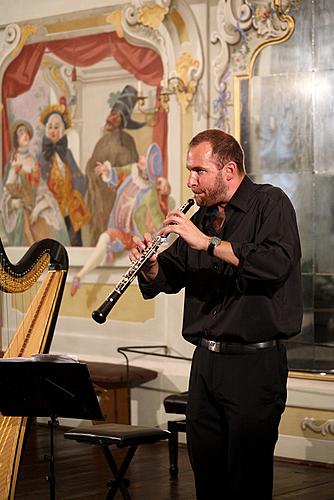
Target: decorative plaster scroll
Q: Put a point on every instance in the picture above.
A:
(9, 40)
(26, 31)
(139, 34)
(269, 22)
(324, 428)
(231, 15)
(248, 24)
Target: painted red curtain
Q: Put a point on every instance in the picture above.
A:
(143, 63)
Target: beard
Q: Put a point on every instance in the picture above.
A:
(213, 195)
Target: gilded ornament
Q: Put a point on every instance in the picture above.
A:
(26, 31)
(115, 18)
(56, 77)
(152, 15)
(183, 65)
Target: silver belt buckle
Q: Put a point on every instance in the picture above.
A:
(213, 346)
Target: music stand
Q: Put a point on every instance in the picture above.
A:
(47, 386)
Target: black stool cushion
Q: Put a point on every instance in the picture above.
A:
(176, 403)
(120, 435)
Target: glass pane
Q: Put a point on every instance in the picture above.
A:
(323, 34)
(324, 224)
(280, 124)
(299, 188)
(323, 121)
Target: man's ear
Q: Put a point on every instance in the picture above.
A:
(231, 170)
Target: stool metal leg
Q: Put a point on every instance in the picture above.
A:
(119, 482)
(174, 427)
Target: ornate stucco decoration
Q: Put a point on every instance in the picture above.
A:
(244, 27)
(156, 25)
(27, 31)
(115, 18)
(323, 428)
(9, 41)
(184, 66)
(152, 15)
(233, 18)
(58, 76)
(166, 26)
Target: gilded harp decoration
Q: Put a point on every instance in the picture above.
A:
(33, 336)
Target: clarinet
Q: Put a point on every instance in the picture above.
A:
(100, 314)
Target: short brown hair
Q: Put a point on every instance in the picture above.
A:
(225, 147)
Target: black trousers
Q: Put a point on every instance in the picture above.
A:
(234, 408)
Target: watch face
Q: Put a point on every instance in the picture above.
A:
(215, 241)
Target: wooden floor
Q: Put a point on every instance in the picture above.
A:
(82, 473)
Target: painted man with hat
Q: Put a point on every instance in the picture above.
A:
(116, 147)
(141, 205)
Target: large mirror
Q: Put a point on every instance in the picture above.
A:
(286, 113)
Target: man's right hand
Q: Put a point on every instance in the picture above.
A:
(151, 267)
(103, 169)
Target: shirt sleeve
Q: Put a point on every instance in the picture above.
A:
(276, 245)
(171, 277)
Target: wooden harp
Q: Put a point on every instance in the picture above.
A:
(33, 336)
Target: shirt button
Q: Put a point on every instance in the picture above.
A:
(215, 267)
(214, 312)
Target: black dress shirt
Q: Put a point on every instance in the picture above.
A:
(259, 300)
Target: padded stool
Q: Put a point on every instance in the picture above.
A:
(120, 435)
(175, 403)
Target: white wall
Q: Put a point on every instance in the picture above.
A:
(20, 10)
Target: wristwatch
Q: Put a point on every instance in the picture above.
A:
(214, 242)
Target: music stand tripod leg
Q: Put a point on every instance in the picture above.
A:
(51, 478)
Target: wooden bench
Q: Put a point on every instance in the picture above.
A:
(112, 384)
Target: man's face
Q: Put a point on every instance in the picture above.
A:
(206, 179)
(113, 120)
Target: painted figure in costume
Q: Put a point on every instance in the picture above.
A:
(118, 148)
(29, 210)
(140, 206)
(60, 171)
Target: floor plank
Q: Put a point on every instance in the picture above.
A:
(82, 473)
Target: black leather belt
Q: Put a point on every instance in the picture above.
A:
(214, 346)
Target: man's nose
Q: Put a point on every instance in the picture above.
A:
(192, 179)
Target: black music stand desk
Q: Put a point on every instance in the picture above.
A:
(47, 386)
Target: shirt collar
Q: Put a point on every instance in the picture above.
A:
(242, 195)
(239, 200)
